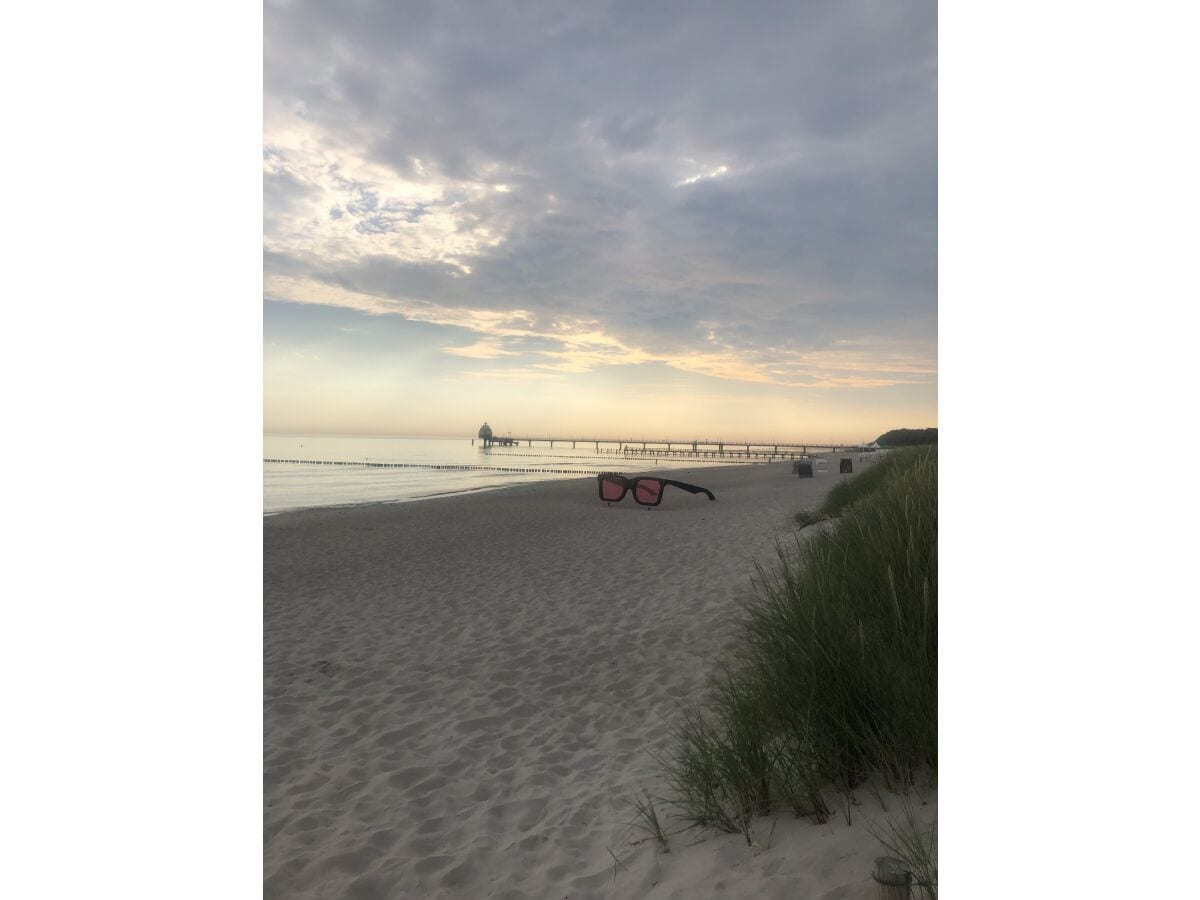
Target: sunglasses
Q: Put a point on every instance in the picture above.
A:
(646, 491)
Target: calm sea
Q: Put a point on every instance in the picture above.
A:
(418, 468)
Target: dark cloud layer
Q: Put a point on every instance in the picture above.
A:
(765, 172)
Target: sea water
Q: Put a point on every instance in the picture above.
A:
(383, 469)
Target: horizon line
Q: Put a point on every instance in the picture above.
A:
(654, 440)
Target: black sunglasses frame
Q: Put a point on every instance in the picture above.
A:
(630, 484)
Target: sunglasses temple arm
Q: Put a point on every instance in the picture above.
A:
(690, 488)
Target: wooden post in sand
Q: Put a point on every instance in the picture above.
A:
(893, 880)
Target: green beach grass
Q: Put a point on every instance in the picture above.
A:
(865, 482)
(834, 678)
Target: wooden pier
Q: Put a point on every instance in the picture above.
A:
(665, 447)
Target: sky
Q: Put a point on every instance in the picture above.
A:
(683, 220)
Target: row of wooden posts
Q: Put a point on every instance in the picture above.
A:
(388, 465)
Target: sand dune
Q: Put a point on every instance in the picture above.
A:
(463, 694)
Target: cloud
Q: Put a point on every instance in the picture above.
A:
(716, 172)
(327, 203)
(743, 193)
(487, 348)
(573, 345)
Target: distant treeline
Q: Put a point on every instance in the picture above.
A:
(907, 437)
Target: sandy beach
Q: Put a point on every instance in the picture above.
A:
(463, 695)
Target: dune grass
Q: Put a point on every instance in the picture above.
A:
(864, 483)
(649, 821)
(835, 673)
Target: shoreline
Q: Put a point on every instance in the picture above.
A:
(462, 697)
(663, 472)
(353, 503)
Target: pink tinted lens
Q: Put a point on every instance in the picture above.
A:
(611, 490)
(647, 491)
